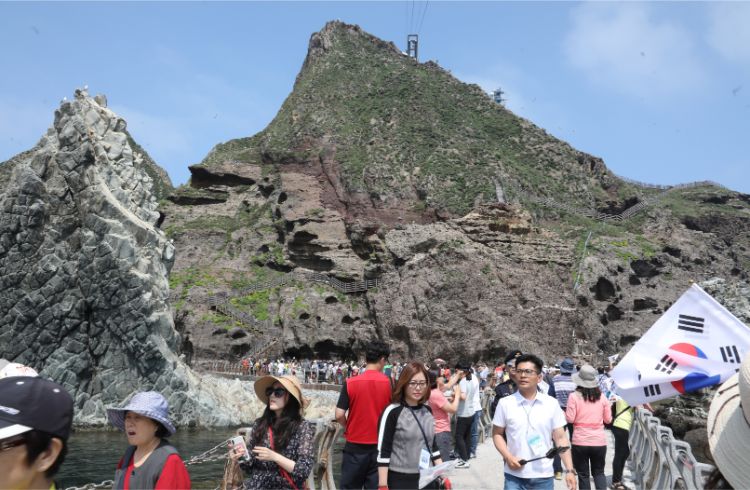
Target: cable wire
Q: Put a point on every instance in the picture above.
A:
(424, 12)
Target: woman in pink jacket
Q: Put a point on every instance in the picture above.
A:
(588, 411)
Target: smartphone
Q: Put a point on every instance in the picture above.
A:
(240, 441)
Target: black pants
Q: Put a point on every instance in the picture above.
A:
(622, 451)
(359, 470)
(403, 481)
(463, 436)
(582, 456)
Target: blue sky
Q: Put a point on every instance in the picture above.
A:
(659, 90)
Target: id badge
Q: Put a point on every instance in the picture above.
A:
(536, 444)
(424, 459)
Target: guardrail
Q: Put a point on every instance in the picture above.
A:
(658, 460)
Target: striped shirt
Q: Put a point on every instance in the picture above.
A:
(564, 386)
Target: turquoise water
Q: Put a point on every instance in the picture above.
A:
(93, 456)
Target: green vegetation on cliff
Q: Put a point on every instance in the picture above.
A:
(397, 127)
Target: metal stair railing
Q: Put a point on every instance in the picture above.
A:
(658, 460)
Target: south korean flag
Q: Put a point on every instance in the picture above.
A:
(677, 355)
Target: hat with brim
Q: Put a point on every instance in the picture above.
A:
(586, 377)
(147, 403)
(290, 384)
(512, 355)
(729, 427)
(567, 366)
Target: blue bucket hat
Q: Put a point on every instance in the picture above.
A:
(567, 366)
(147, 403)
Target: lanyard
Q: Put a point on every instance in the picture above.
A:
(528, 414)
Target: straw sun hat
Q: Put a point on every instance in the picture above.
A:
(290, 384)
(729, 427)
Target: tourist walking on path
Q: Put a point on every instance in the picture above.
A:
(150, 461)
(465, 414)
(506, 386)
(564, 386)
(532, 422)
(588, 411)
(477, 404)
(442, 407)
(621, 423)
(280, 443)
(361, 402)
(406, 436)
(34, 428)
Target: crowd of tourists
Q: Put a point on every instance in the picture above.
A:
(547, 424)
(313, 370)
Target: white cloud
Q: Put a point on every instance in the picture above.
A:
(623, 46)
(729, 30)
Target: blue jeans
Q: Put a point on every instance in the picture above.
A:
(516, 483)
(475, 432)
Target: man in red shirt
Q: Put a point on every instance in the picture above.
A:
(361, 402)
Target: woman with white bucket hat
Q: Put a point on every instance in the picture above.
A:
(150, 462)
(729, 431)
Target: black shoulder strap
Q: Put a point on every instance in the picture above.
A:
(620, 413)
(426, 443)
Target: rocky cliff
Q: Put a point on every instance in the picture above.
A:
(380, 167)
(83, 270)
(367, 209)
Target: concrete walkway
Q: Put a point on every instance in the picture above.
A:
(486, 472)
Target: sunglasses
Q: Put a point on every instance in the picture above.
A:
(277, 392)
(12, 442)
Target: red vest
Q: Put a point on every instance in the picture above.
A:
(369, 394)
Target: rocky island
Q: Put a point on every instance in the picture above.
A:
(387, 199)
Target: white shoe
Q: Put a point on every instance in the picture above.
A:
(463, 464)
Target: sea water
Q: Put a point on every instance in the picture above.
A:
(93, 456)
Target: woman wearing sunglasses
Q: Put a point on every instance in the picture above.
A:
(406, 433)
(280, 442)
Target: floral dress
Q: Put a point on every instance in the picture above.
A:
(266, 474)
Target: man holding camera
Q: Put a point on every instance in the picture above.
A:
(531, 420)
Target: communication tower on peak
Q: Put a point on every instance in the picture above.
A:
(497, 96)
(412, 45)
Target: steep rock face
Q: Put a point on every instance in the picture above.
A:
(83, 270)
(377, 166)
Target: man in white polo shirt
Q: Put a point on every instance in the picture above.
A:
(531, 421)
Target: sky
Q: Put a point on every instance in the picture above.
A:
(659, 90)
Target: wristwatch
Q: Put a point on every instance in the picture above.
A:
(570, 471)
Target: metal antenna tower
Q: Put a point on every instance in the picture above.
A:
(412, 44)
(497, 95)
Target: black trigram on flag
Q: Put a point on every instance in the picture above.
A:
(730, 354)
(667, 364)
(691, 324)
(651, 390)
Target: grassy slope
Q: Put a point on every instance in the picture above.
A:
(402, 128)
